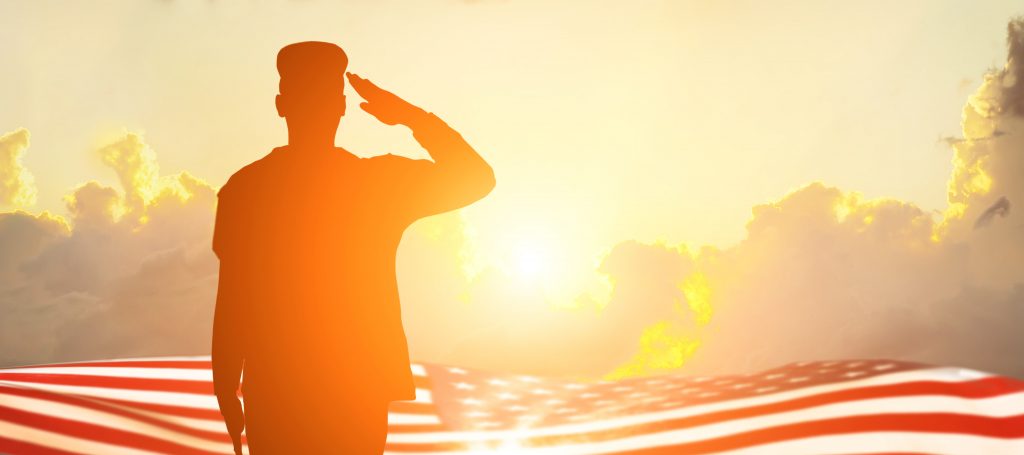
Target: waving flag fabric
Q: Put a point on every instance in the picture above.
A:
(166, 405)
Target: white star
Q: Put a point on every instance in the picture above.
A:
(471, 402)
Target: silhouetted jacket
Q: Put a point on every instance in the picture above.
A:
(307, 242)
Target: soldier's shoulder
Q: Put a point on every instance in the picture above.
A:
(248, 175)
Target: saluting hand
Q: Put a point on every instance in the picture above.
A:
(382, 104)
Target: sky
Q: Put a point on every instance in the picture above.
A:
(648, 155)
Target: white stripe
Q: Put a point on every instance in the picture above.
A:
(993, 407)
(188, 400)
(951, 444)
(418, 370)
(106, 419)
(396, 419)
(63, 442)
(184, 374)
(935, 374)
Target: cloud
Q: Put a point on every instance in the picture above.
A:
(823, 273)
(17, 186)
(130, 272)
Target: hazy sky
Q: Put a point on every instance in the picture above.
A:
(624, 136)
(604, 120)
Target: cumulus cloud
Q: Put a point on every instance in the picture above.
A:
(823, 273)
(17, 186)
(130, 272)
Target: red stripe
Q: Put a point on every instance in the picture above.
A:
(944, 423)
(182, 411)
(95, 433)
(13, 447)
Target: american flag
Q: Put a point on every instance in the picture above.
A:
(166, 405)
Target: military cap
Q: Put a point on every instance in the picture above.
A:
(311, 59)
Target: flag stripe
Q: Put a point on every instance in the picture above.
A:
(199, 363)
(15, 446)
(96, 433)
(166, 405)
(687, 431)
(879, 396)
(214, 432)
(162, 384)
(892, 443)
(873, 387)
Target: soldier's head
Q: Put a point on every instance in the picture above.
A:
(312, 88)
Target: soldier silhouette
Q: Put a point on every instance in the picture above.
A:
(307, 299)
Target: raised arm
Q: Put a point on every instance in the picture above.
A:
(457, 177)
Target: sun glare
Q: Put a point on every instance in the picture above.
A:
(532, 261)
